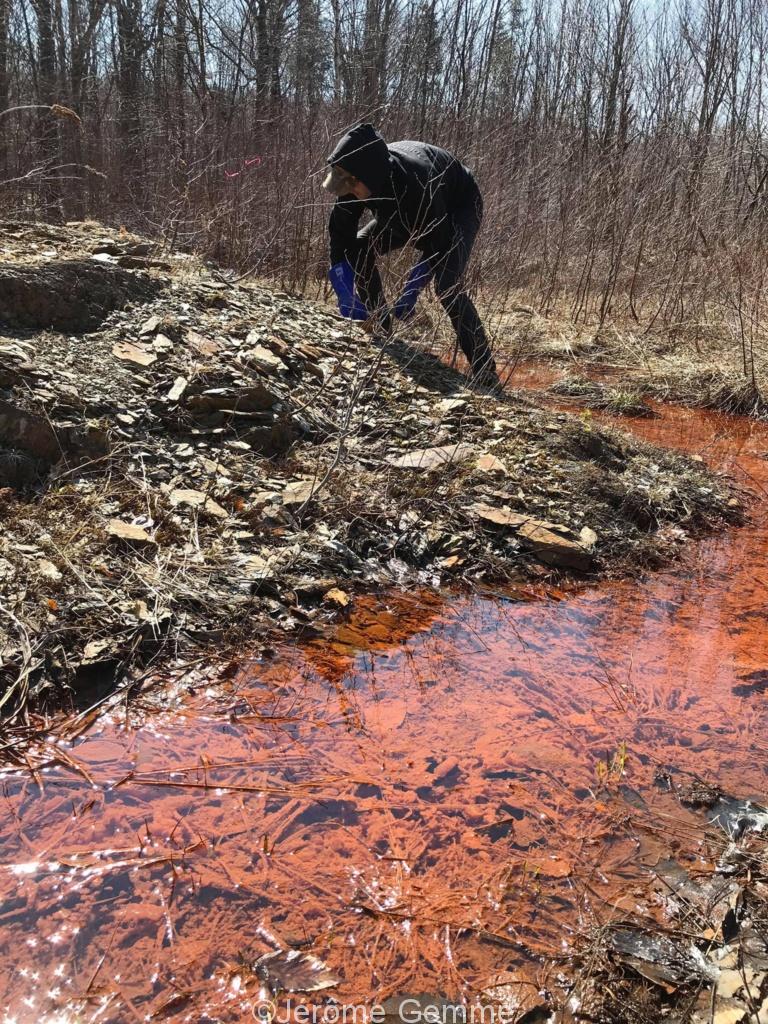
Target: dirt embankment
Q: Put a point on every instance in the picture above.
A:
(187, 463)
(705, 361)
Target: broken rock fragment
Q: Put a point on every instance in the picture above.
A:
(550, 542)
(205, 346)
(254, 398)
(431, 458)
(128, 531)
(162, 344)
(452, 406)
(263, 359)
(97, 651)
(488, 463)
(555, 549)
(178, 389)
(48, 570)
(588, 537)
(503, 516)
(136, 354)
(150, 326)
(336, 596)
(198, 499)
(257, 568)
(299, 491)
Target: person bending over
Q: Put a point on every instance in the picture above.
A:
(419, 195)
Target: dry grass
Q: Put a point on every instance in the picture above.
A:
(706, 362)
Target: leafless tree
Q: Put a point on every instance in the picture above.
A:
(620, 147)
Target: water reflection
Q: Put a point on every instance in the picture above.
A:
(417, 801)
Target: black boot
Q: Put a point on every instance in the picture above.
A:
(483, 374)
(379, 324)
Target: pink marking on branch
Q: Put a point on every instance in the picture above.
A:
(254, 161)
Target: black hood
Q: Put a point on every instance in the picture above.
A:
(364, 154)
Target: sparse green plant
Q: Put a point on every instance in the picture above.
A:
(613, 768)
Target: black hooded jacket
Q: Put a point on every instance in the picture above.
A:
(415, 187)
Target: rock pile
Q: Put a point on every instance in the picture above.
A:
(211, 460)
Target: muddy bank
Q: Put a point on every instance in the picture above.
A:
(606, 389)
(204, 463)
(701, 362)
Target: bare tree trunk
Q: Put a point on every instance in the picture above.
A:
(83, 24)
(179, 76)
(5, 13)
(262, 49)
(129, 58)
(615, 97)
(307, 87)
(47, 128)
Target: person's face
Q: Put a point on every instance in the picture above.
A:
(341, 183)
(359, 190)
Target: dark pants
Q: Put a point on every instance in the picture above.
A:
(448, 267)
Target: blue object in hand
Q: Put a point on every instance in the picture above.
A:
(417, 280)
(342, 277)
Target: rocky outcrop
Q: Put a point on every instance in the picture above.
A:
(68, 295)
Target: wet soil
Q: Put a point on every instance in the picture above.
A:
(420, 800)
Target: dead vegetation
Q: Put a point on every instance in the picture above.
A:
(713, 387)
(615, 367)
(620, 401)
(706, 961)
(223, 460)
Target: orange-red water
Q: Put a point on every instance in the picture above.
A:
(418, 801)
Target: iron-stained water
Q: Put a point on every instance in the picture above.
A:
(418, 801)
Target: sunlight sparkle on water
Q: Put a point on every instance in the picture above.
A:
(29, 868)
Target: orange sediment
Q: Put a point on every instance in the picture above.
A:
(450, 788)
